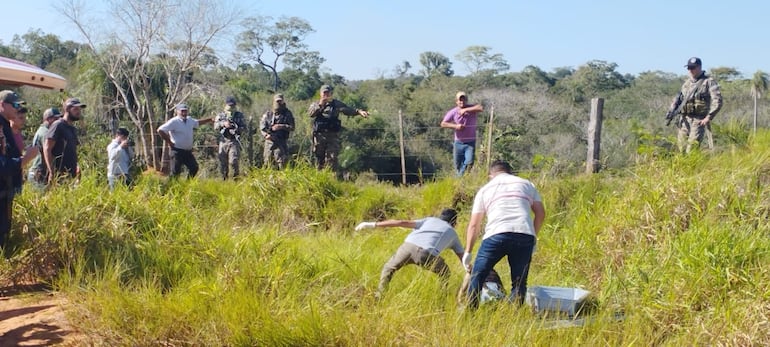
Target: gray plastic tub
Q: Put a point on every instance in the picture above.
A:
(556, 299)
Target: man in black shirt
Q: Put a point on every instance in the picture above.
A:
(61, 144)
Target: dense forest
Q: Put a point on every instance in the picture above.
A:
(133, 75)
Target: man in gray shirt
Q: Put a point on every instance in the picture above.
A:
(422, 246)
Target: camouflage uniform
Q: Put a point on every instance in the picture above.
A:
(326, 131)
(229, 139)
(276, 141)
(706, 101)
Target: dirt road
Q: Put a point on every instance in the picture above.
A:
(35, 318)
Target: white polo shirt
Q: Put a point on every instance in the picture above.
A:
(180, 131)
(507, 202)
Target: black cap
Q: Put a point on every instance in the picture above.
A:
(449, 215)
(230, 100)
(122, 131)
(693, 62)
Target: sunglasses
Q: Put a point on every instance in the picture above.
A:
(15, 105)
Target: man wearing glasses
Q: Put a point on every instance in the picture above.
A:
(10, 159)
(700, 100)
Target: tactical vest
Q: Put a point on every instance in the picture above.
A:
(329, 119)
(698, 105)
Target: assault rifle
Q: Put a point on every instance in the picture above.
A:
(681, 101)
(671, 114)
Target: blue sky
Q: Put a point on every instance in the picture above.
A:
(365, 39)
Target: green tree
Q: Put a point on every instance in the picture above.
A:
(478, 59)
(42, 49)
(594, 79)
(435, 64)
(149, 52)
(284, 39)
(758, 88)
(725, 73)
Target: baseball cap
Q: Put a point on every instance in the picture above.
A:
(181, 106)
(277, 97)
(73, 102)
(10, 97)
(122, 131)
(460, 94)
(693, 62)
(51, 112)
(230, 100)
(326, 88)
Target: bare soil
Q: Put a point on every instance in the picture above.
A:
(34, 316)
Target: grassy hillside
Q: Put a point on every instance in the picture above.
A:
(677, 245)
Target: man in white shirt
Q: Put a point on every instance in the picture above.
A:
(119, 154)
(506, 200)
(423, 246)
(177, 132)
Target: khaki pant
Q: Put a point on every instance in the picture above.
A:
(690, 133)
(407, 254)
(229, 155)
(276, 153)
(326, 148)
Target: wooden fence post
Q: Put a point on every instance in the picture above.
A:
(401, 143)
(490, 127)
(593, 164)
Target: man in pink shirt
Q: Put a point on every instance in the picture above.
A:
(463, 119)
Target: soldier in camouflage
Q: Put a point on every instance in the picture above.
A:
(275, 126)
(327, 127)
(699, 101)
(230, 124)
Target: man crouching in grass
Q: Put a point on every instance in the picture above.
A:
(423, 246)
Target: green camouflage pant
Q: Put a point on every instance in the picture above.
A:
(276, 153)
(690, 133)
(229, 155)
(326, 148)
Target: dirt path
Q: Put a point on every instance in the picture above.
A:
(35, 318)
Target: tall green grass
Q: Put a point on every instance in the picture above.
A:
(677, 247)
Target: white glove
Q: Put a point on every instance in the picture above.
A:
(467, 261)
(365, 225)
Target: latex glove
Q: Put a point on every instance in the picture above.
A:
(467, 258)
(365, 225)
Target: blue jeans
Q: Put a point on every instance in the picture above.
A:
(463, 155)
(518, 248)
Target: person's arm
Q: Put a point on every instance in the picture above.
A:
(48, 150)
(448, 120)
(163, 133)
(387, 224)
(539, 211)
(314, 110)
(458, 249)
(30, 153)
(264, 125)
(474, 226)
(716, 100)
(349, 111)
(204, 121)
(219, 123)
(472, 108)
(289, 121)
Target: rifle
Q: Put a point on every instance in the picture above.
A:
(681, 100)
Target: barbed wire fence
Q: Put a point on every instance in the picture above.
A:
(416, 141)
